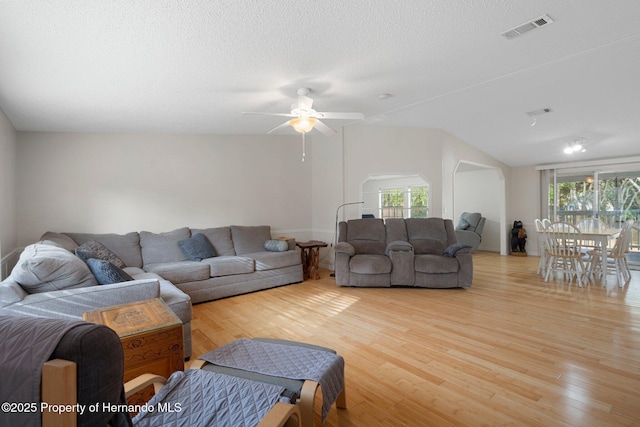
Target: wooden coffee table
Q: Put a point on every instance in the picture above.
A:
(151, 336)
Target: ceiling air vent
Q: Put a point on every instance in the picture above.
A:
(526, 27)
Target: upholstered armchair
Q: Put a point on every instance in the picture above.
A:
(469, 229)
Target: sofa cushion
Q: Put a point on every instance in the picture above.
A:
(427, 235)
(197, 247)
(370, 264)
(276, 245)
(367, 236)
(180, 271)
(44, 268)
(58, 239)
(124, 246)
(220, 238)
(163, 247)
(106, 273)
(273, 260)
(93, 249)
(436, 264)
(229, 265)
(249, 239)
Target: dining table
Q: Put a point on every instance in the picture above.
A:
(601, 237)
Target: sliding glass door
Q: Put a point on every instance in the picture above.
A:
(613, 196)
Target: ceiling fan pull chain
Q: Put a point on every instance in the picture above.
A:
(303, 148)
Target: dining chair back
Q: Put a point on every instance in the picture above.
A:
(564, 246)
(616, 256)
(542, 246)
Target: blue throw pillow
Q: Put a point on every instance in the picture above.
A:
(107, 273)
(197, 247)
(453, 249)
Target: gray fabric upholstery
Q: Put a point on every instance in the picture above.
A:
(163, 247)
(272, 260)
(250, 239)
(180, 271)
(220, 238)
(367, 236)
(44, 268)
(160, 270)
(125, 246)
(472, 234)
(413, 254)
(59, 239)
(229, 265)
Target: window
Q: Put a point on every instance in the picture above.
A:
(409, 202)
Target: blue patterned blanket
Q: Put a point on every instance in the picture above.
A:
(285, 361)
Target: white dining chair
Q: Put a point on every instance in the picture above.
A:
(564, 252)
(616, 257)
(542, 245)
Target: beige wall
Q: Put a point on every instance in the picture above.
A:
(119, 183)
(8, 235)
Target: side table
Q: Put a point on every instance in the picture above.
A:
(151, 336)
(310, 258)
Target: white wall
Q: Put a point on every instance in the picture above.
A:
(8, 235)
(120, 183)
(476, 191)
(524, 202)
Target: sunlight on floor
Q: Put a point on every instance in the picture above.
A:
(331, 302)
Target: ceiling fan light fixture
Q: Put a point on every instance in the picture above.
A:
(303, 124)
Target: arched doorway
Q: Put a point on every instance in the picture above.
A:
(481, 188)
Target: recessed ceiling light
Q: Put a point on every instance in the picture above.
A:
(384, 96)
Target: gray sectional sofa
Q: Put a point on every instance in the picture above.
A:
(65, 274)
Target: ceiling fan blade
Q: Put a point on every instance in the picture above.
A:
(324, 128)
(345, 116)
(277, 128)
(270, 114)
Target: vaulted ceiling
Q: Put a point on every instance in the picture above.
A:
(193, 66)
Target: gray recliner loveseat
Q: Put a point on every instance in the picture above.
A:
(414, 252)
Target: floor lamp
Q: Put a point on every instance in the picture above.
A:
(335, 234)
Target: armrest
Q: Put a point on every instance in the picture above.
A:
(345, 248)
(398, 246)
(145, 380)
(282, 415)
(71, 303)
(457, 248)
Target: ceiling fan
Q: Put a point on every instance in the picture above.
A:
(304, 118)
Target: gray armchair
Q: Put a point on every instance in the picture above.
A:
(469, 229)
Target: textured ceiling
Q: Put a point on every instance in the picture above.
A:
(193, 66)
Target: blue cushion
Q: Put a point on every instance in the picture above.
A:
(107, 273)
(197, 247)
(453, 249)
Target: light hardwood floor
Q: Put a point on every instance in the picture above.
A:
(511, 350)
